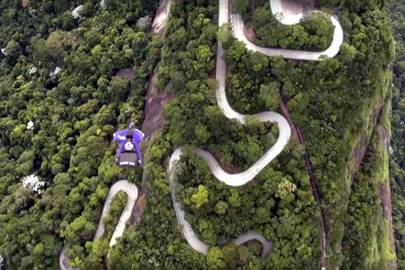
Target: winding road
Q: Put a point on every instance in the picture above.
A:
(273, 117)
(288, 19)
(233, 180)
(132, 192)
(331, 51)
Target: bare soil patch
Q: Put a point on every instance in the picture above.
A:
(137, 211)
(385, 197)
(385, 140)
(126, 73)
(359, 150)
(250, 33)
(154, 105)
(358, 153)
(385, 194)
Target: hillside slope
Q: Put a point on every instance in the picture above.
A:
(69, 79)
(397, 161)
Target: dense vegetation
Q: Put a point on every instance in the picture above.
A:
(282, 208)
(76, 112)
(354, 86)
(397, 162)
(322, 97)
(367, 242)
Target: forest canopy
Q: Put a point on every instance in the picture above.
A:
(62, 96)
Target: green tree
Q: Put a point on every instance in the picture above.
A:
(200, 196)
(269, 94)
(224, 33)
(221, 207)
(215, 258)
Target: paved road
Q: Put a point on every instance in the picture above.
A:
(249, 236)
(63, 261)
(229, 179)
(186, 229)
(132, 192)
(284, 128)
(289, 19)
